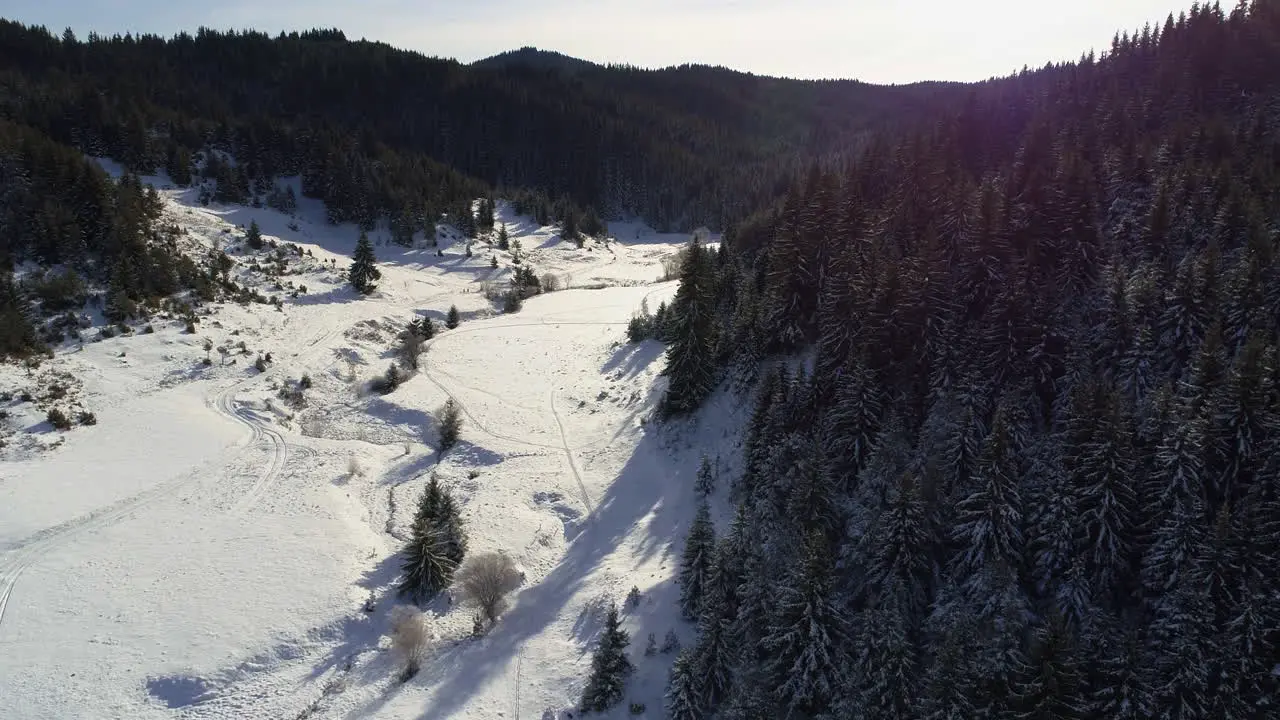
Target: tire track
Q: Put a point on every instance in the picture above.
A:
(31, 549)
(573, 464)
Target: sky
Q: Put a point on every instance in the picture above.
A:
(880, 41)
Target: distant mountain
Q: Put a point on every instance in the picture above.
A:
(533, 57)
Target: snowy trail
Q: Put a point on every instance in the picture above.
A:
(568, 453)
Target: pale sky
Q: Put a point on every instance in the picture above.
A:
(882, 41)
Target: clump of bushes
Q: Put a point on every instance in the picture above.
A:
(58, 419)
(390, 380)
(87, 418)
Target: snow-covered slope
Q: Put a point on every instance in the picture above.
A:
(206, 550)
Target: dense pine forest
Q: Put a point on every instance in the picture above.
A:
(1015, 443)
(385, 137)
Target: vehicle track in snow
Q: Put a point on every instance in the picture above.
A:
(568, 453)
(31, 549)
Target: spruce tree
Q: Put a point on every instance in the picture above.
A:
(364, 273)
(504, 241)
(436, 547)
(807, 637)
(696, 561)
(683, 696)
(451, 319)
(610, 666)
(691, 354)
(705, 482)
(253, 238)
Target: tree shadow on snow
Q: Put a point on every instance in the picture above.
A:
(631, 358)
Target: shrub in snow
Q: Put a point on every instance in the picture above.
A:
(410, 348)
(410, 635)
(389, 381)
(486, 580)
(59, 419)
(610, 667)
(512, 302)
(633, 597)
(305, 382)
(450, 417)
(87, 418)
(260, 364)
(705, 483)
(651, 647)
(354, 469)
(550, 283)
(637, 708)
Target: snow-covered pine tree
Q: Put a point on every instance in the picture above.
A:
(808, 637)
(610, 666)
(888, 665)
(451, 319)
(713, 656)
(1119, 686)
(691, 353)
(1107, 503)
(900, 553)
(1053, 686)
(696, 561)
(504, 240)
(684, 696)
(1182, 638)
(363, 273)
(989, 522)
(705, 482)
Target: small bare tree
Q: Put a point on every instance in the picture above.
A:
(486, 580)
(410, 634)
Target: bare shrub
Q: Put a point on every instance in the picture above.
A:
(550, 282)
(354, 468)
(486, 580)
(672, 263)
(410, 635)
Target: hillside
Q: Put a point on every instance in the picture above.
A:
(535, 58)
(679, 147)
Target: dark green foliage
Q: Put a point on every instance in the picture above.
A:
(691, 354)
(696, 561)
(437, 547)
(253, 237)
(1039, 343)
(390, 380)
(610, 667)
(87, 418)
(364, 271)
(451, 319)
(504, 243)
(58, 419)
(450, 419)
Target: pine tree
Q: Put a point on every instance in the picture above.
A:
(684, 695)
(807, 638)
(714, 655)
(450, 424)
(1054, 684)
(451, 320)
(989, 521)
(696, 561)
(364, 273)
(437, 546)
(691, 353)
(504, 241)
(253, 237)
(705, 483)
(888, 665)
(1119, 687)
(610, 667)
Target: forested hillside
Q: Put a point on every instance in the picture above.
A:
(1031, 469)
(378, 131)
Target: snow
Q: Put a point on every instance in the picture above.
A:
(205, 551)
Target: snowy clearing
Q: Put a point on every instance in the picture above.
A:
(206, 550)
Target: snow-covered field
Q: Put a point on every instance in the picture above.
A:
(205, 550)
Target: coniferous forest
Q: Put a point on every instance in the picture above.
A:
(1015, 439)
(1014, 345)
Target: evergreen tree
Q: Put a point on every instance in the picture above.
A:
(696, 561)
(1054, 684)
(504, 241)
(451, 320)
(610, 667)
(253, 238)
(436, 547)
(691, 353)
(364, 273)
(705, 483)
(807, 638)
(684, 697)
